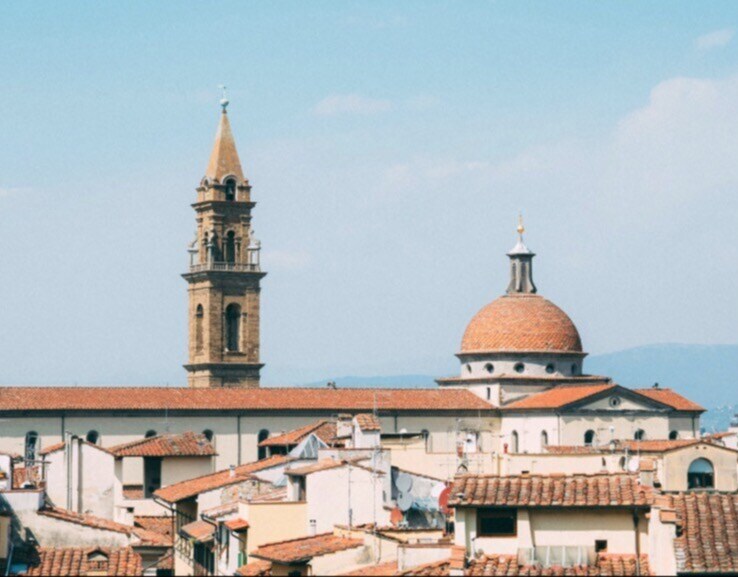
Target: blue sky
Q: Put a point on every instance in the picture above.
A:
(390, 146)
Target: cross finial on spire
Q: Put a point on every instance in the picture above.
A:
(521, 226)
(224, 100)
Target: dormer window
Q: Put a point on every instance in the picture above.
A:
(97, 563)
(230, 189)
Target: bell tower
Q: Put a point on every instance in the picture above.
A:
(224, 275)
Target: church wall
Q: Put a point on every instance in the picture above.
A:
(575, 425)
(13, 432)
(675, 464)
(687, 427)
(176, 469)
(529, 428)
(545, 464)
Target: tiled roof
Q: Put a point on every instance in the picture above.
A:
(133, 492)
(606, 564)
(435, 569)
(200, 531)
(221, 510)
(598, 490)
(237, 524)
(389, 568)
(255, 569)
(59, 446)
(558, 397)
(224, 399)
(75, 562)
(368, 422)
(326, 465)
(671, 398)
(277, 494)
(647, 446)
(146, 537)
(192, 487)
(521, 323)
(22, 475)
(708, 537)
(160, 525)
(169, 445)
(303, 549)
(323, 429)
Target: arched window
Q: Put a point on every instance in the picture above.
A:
(514, 442)
(199, 314)
(575, 369)
(208, 434)
(262, 436)
(701, 475)
(640, 435)
(150, 433)
(93, 437)
(31, 445)
(233, 327)
(519, 367)
(230, 189)
(623, 463)
(589, 438)
(229, 247)
(674, 435)
(544, 439)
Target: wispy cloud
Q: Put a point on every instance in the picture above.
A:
(715, 39)
(351, 104)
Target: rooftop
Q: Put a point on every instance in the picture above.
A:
(324, 430)
(192, 487)
(554, 490)
(368, 422)
(303, 549)
(80, 561)
(168, 445)
(234, 399)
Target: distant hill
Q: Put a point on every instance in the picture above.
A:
(707, 374)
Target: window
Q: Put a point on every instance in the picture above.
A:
(550, 368)
(600, 546)
(97, 563)
(468, 368)
(575, 369)
(208, 434)
(230, 189)
(229, 247)
(544, 439)
(622, 463)
(489, 393)
(519, 367)
(514, 442)
(701, 475)
(31, 445)
(233, 327)
(199, 314)
(674, 435)
(262, 436)
(497, 522)
(615, 402)
(589, 438)
(150, 433)
(490, 368)
(640, 435)
(152, 475)
(93, 437)
(426, 439)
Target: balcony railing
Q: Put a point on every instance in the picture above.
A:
(224, 267)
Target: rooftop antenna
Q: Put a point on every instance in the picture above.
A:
(224, 102)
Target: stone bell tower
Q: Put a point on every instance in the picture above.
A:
(224, 276)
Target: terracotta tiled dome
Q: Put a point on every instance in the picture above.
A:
(521, 323)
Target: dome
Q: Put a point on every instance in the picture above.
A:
(521, 322)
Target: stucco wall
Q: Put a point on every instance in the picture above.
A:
(51, 532)
(293, 522)
(675, 465)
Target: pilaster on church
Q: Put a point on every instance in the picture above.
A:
(224, 274)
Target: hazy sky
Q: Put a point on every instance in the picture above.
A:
(391, 146)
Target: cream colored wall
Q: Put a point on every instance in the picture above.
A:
(411, 455)
(51, 532)
(14, 429)
(176, 469)
(263, 526)
(675, 464)
(409, 556)
(529, 428)
(547, 463)
(341, 562)
(556, 527)
(575, 426)
(661, 552)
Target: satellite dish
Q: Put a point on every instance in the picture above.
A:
(422, 490)
(437, 490)
(404, 482)
(634, 465)
(404, 501)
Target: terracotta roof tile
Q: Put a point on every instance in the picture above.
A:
(647, 446)
(237, 524)
(82, 561)
(133, 492)
(255, 569)
(435, 569)
(326, 465)
(606, 564)
(671, 398)
(599, 490)
(170, 445)
(368, 422)
(192, 487)
(558, 397)
(521, 323)
(23, 475)
(708, 542)
(160, 525)
(60, 446)
(303, 549)
(200, 531)
(277, 494)
(323, 429)
(223, 399)
(389, 568)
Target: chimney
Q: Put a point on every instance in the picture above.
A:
(344, 425)
(647, 472)
(232, 471)
(313, 528)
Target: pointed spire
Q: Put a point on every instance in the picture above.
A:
(224, 159)
(521, 266)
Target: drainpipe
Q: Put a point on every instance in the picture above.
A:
(637, 541)
(238, 431)
(68, 466)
